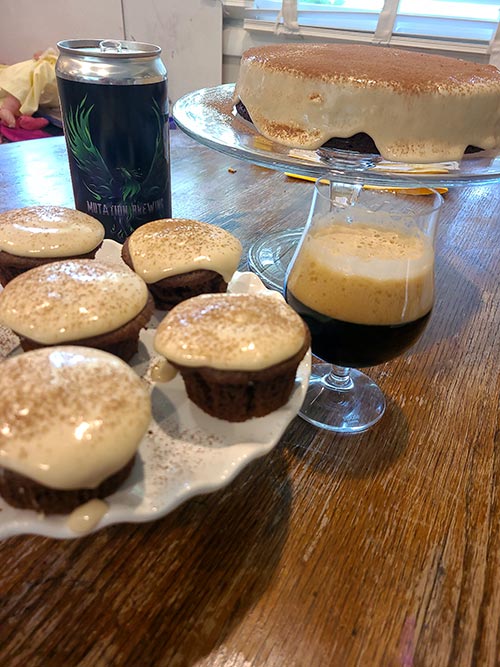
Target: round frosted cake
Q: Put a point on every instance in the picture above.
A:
(37, 235)
(79, 301)
(181, 258)
(237, 353)
(415, 107)
(72, 420)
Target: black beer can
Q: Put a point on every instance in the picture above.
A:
(115, 118)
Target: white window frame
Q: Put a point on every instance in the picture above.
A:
(265, 22)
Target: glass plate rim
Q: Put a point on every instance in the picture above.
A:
(207, 116)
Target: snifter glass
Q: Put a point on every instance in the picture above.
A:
(362, 278)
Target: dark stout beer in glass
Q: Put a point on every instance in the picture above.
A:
(362, 278)
(366, 292)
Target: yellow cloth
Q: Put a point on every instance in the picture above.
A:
(32, 82)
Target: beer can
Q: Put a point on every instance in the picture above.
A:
(115, 118)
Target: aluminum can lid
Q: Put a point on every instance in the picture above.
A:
(108, 48)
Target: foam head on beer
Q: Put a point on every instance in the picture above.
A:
(365, 272)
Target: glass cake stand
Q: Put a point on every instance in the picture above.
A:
(208, 116)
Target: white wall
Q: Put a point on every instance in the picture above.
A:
(27, 26)
(189, 32)
(190, 35)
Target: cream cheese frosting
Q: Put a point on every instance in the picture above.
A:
(49, 231)
(245, 332)
(70, 300)
(70, 416)
(168, 247)
(416, 107)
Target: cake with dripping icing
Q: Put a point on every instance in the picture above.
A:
(414, 107)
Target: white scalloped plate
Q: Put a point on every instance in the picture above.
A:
(185, 453)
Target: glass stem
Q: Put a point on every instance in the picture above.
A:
(338, 378)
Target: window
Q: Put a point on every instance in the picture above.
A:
(462, 27)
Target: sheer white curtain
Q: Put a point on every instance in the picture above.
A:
(287, 17)
(386, 20)
(494, 48)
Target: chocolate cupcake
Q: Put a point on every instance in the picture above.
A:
(72, 420)
(181, 258)
(237, 353)
(78, 301)
(36, 235)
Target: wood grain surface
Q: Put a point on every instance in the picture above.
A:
(381, 549)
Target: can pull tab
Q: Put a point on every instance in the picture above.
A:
(110, 45)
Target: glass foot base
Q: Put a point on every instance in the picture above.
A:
(353, 408)
(269, 257)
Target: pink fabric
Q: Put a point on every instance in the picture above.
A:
(31, 123)
(26, 128)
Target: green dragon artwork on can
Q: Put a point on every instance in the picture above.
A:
(120, 191)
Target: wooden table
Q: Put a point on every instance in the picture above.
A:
(381, 549)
